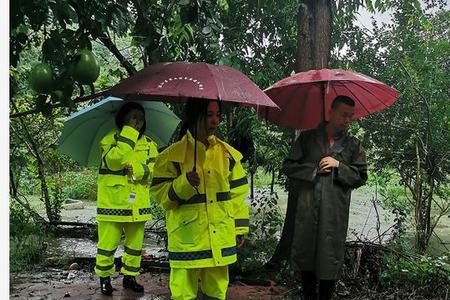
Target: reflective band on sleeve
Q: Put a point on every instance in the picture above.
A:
(146, 172)
(242, 222)
(238, 182)
(126, 141)
(173, 196)
(114, 212)
(229, 251)
(130, 268)
(158, 180)
(110, 172)
(106, 252)
(104, 268)
(132, 251)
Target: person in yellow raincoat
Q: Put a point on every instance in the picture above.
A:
(123, 199)
(206, 213)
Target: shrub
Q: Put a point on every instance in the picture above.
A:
(265, 224)
(430, 274)
(80, 185)
(27, 240)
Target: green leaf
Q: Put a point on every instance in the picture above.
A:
(207, 30)
(223, 4)
(369, 6)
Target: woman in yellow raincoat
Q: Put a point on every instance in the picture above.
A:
(206, 213)
(123, 200)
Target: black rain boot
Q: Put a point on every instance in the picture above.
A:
(129, 282)
(326, 289)
(309, 285)
(105, 286)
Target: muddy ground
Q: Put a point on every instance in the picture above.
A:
(82, 284)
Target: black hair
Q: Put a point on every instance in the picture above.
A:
(195, 109)
(123, 111)
(342, 99)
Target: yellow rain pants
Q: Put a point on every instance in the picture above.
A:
(109, 235)
(184, 282)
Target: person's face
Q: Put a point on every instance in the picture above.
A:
(341, 116)
(135, 118)
(212, 117)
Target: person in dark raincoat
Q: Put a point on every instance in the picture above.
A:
(325, 164)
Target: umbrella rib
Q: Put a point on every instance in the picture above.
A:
(367, 90)
(214, 79)
(362, 104)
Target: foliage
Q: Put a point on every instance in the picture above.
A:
(430, 274)
(79, 184)
(406, 137)
(27, 240)
(265, 225)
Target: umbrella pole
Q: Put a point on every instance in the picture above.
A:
(195, 154)
(322, 95)
(195, 148)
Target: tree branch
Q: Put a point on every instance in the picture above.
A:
(106, 40)
(76, 100)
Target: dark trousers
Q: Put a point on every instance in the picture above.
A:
(309, 285)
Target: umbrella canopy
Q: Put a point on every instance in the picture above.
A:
(84, 129)
(177, 81)
(305, 98)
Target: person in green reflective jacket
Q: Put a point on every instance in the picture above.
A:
(123, 199)
(206, 213)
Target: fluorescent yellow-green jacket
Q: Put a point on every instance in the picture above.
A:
(118, 198)
(202, 227)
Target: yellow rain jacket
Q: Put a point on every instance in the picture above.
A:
(202, 226)
(118, 198)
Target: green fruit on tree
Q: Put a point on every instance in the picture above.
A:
(41, 78)
(86, 68)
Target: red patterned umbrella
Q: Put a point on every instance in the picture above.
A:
(177, 81)
(305, 98)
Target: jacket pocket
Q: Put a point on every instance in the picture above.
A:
(117, 190)
(186, 228)
(114, 180)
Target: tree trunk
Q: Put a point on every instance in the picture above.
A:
(313, 48)
(272, 183)
(33, 148)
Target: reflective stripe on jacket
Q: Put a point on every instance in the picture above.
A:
(202, 226)
(118, 198)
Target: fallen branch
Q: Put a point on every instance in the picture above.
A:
(79, 224)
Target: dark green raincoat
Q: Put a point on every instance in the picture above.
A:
(323, 201)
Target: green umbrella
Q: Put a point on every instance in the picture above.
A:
(84, 129)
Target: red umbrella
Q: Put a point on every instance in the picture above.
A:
(177, 81)
(305, 98)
